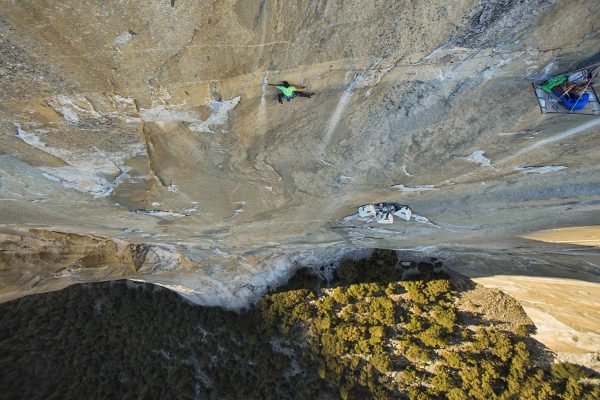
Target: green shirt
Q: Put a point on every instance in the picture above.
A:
(287, 91)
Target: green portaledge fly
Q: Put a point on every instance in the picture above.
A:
(557, 80)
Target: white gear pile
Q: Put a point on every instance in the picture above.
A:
(383, 213)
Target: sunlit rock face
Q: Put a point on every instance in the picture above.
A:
(141, 140)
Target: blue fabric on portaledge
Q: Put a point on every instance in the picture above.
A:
(571, 102)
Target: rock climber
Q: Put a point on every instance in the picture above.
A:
(288, 92)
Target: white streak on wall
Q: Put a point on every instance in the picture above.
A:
(478, 157)
(420, 188)
(540, 170)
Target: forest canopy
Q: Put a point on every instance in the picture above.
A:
(365, 333)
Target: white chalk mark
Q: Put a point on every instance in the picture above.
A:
(406, 171)
(262, 108)
(540, 170)
(478, 157)
(123, 38)
(218, 115)
(424, 220)
(568, 133)
(72, 108)
(86, 171)
(159, 213)
(420, 188)
(339, 111)
(69, 115)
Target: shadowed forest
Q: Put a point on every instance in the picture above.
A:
(371, 329)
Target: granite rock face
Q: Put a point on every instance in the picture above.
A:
(141, 140)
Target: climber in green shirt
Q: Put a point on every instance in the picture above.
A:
(289, 92)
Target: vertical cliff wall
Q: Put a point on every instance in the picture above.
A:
(127, 123)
